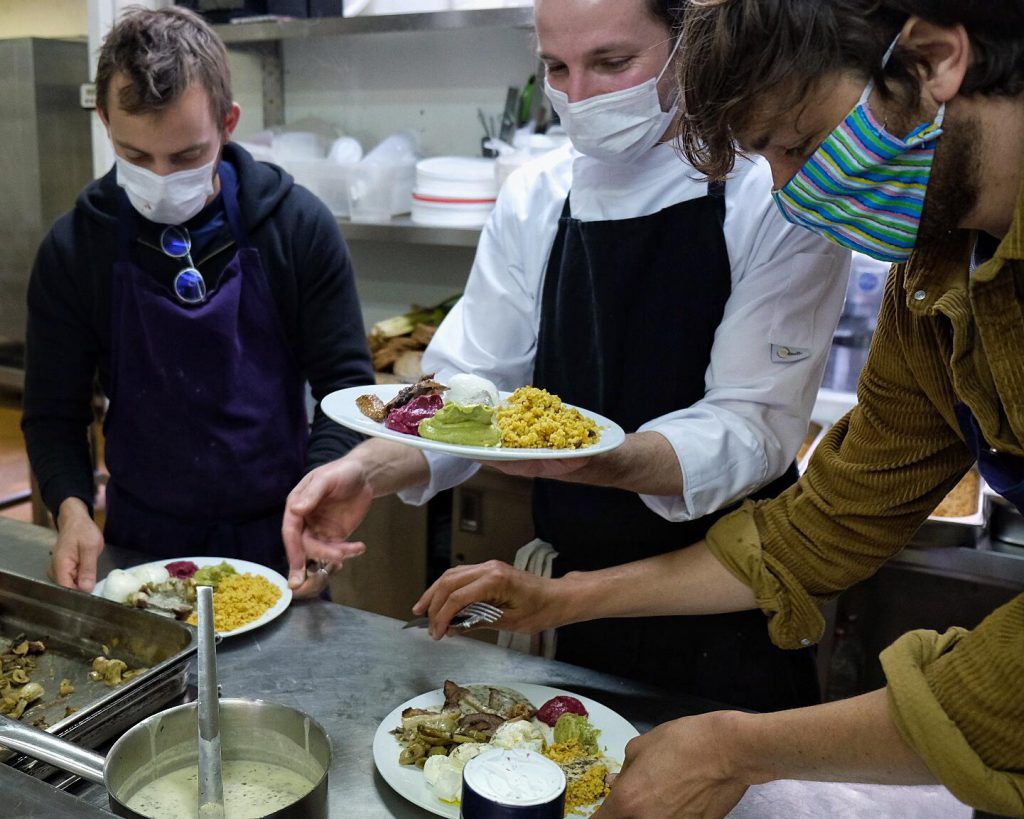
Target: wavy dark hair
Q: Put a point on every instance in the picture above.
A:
(161, 53)
(735, 53)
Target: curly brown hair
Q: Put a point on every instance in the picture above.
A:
(735, 54)
(161, 53)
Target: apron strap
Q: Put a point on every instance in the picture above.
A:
(229, 195)
(716, 190)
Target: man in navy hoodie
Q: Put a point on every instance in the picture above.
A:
(204, 289)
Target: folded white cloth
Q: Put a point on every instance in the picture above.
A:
(537, 557)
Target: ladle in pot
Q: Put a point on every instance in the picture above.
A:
(211, 780)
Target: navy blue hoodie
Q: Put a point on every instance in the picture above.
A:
(68, 338)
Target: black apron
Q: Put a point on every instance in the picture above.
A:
(207, 429)
(628, 318)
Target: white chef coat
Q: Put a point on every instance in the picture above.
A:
(769, 351)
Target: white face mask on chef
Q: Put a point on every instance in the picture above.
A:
(619, 126)
(168, 200)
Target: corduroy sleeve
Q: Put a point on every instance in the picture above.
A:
(958, 701)
(872, 481)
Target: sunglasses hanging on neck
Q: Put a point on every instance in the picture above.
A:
(189, 284)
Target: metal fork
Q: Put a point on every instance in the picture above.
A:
(472, 615)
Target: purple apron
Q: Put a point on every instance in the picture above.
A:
(1003, 472)
(206, 431)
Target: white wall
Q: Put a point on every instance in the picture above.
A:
(44, 18)
(370, 85)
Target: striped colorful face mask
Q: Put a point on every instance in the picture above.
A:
(864, 188)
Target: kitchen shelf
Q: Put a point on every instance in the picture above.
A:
(296, 29)
(403, 229)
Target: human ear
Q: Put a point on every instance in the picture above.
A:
(945, 56)
(231, 120)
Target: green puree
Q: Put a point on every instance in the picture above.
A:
(212, 575)
(575, 727)
(466, 424)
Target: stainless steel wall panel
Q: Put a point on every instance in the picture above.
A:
(45, 158)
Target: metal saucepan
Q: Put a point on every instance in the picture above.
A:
(252, 730)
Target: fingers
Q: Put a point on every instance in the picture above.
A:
(64, 569)
(461, 586)
(312, 586)
(333, 554)
(87, 570)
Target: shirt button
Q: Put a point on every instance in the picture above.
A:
(783, 352)
(993, 451)
(920, 295)
(805, 642)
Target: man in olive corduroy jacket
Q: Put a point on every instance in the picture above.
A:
(895, 127)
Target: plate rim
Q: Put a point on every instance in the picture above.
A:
(436, 806)
(240, 565)
(335, 405)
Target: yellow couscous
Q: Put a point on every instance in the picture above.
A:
(584, 776)
(535, 419)
(240, 599)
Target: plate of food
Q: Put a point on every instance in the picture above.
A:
(246, 595)
(587, 739)
(469, 417)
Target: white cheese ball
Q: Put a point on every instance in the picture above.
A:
(444, 776)
(519, 734)
(119, 584)
(471, 389)
(151, 574)
(444, 773)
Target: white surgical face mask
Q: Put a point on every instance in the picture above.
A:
(168, 200)
(617, 127)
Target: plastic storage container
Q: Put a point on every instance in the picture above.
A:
(454, 191)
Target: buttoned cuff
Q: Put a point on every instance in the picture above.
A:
(794, 618)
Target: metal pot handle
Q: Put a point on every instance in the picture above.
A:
(52, 750)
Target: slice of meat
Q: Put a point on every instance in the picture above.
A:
(485, 724)
(425, 386)
(372, 407)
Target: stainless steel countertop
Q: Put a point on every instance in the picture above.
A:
(349, 669)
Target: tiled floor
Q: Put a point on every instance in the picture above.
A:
(14, 473)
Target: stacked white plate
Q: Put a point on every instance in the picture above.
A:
(454, 191)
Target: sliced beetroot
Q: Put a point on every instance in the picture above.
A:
(556, 706)
(181, 569)
(407, 418)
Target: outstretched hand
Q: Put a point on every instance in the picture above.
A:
(679, 770)
(530, 603)
(78, 547)
(321, 512)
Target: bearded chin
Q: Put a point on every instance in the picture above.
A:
(953, 187)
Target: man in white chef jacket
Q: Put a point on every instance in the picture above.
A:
(690, 313)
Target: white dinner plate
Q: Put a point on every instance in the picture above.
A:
(341, 406)
(242, 567)
(408, 781)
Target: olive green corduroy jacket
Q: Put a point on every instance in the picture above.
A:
(944, 335)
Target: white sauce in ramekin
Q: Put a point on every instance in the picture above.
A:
(514, 777)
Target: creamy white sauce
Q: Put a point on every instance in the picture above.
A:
(515, 777)
(251, 790)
